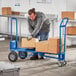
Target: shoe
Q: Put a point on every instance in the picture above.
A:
(41, 58)
(34, 57)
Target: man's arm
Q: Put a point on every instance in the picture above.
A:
(38, 27)
(30, 26)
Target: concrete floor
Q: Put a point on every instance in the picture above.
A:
(46, 67)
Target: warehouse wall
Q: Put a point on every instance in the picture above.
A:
(55, 7)
(71, 5)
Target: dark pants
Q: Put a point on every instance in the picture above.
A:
(41, 36)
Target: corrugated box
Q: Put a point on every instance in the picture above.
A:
(15, 13)
(7, 69)
(6, 11)
(53, 45)
(71, 30)
(42, 46)
(28, 43)
(49, 46)
(70, 15)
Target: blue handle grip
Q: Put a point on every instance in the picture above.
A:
(65, 18)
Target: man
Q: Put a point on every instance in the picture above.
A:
(39, 27)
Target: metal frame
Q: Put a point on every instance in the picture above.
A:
(60, 55)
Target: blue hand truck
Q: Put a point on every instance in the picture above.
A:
(23, 52)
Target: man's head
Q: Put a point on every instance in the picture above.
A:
(32, 14)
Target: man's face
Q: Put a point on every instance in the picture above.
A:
(32, 16)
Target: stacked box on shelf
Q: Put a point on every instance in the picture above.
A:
(15, 13)
(6, 11)
(71, 30)
(70, 14)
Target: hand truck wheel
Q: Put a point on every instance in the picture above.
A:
(62, 63)
(22, 54)
(13, 56)
(65, 62)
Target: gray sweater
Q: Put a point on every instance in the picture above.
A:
(40, 24)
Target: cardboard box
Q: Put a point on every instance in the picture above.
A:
(6, 11)
(71, 30)
(42, 46)
(53, 45)
(15, 13)
(70, 15)
(28, 43)
(49, 46)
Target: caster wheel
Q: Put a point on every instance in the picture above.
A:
(62, 63)
(65, 62)
(12, 56)
(22, 55)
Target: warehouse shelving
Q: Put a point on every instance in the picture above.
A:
(52, 18)
(70, 37)
(72, 20)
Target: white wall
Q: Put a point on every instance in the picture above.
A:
(22, 27)
(71, 5)
(52, 8)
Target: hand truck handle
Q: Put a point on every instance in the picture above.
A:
(64, 21)
(13, 18)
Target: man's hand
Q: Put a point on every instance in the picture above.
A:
(29, 37)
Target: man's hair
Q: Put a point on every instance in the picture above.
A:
(30, 11)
